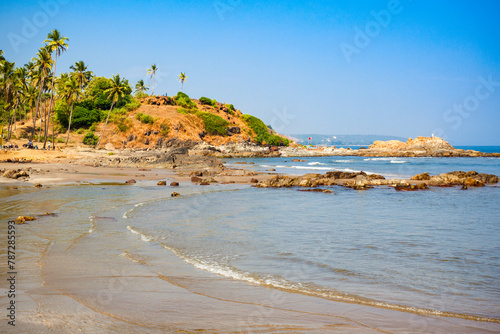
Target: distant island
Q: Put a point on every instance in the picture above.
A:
(341, 140)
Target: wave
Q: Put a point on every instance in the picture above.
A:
(310, 289)
(315, 163)
(143, 236)
(314, 168)
(398, 162)
(125, 215)
(343, 161)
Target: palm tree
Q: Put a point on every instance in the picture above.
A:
(2, 58)
(8, 75)
(56, 44)
(43, 65)
(182, 78)
(81, 74)
(152, 71)
(140, 87)
(70, 90)
(119, 88)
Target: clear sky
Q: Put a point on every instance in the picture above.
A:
(403, 68)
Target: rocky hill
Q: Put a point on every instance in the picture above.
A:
(160, 121)
(418, 144)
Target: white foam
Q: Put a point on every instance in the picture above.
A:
(144, 237)
(398, 162)
(315, 163)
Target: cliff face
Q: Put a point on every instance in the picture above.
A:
(418, 144)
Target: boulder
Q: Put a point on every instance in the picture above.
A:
(162, 183)
(131, 181)
(204, 183)
(174, 194)
(422, 177)
(23, 219)
(254, 180)
(38, 185)
(403, 186)
(174, 184)
(233, 130)
(196, 179)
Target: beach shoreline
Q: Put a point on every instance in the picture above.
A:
(58, 262)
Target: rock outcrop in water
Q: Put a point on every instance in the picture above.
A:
(362, 181)
(457, 178)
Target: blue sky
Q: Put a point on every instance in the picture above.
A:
(403, 68)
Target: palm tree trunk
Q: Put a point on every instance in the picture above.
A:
(37, 108)
(154, 79)
(42, 118)
(104, 128)
(50, 105)
(69, 125)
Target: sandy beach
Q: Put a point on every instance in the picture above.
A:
(69, 281)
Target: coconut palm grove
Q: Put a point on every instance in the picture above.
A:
(54, 103)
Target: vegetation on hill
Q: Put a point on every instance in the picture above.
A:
(78, 102)
(264, 134)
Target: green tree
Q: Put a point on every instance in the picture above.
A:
(71, 88)
(57, 45)
(81, 74)
(119, 88)
(152, 71)
(140, 87)
(182, 78)
(42, 68)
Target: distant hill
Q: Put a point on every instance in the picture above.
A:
(329, 140)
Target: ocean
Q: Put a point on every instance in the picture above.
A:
(429, 253)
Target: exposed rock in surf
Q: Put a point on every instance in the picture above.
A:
(24, 219)
(162, 183)
(174, 184)
(421, 177)
(131, 181)
(174, 194)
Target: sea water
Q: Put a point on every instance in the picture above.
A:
(434, 252)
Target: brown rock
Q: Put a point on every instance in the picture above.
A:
(38, 185)
(174, 194)
(421, 177)
(196, 179)
(162, 183)
(23, 219)
(254, 180)
(204, 183)
(174, 184)
(131, 181)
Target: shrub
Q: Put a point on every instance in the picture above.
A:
(61, 110)
(90, 138)
(164, 129)
(183, 100)
(262, 132)
(93, 128)
(84, 118)
(208, 102)
(146, 119)
(123, 124)
(231, 108)
(80, 131)
(184, 111)
(214, 124)
(140, 95)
